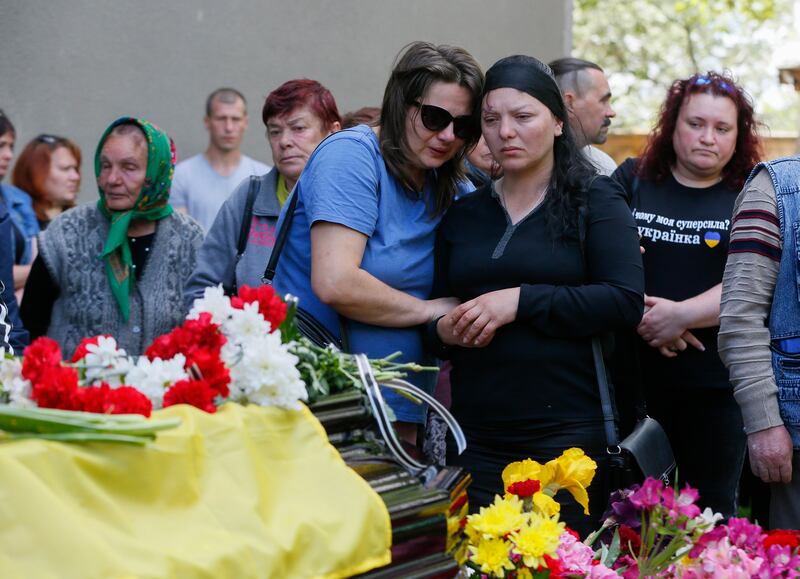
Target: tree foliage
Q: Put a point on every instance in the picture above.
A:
(646, 44)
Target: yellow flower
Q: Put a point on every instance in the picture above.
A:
(537, 539)
(492, 556)
(545, 505)
(574, 471)
(526, 470)
(496, 520)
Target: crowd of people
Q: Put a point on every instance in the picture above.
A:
(469, 221)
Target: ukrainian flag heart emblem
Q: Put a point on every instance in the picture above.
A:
(712, 238)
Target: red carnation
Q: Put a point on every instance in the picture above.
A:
(128, 400)
(784, 537)
(81, 350)
(43, 353)
(629, 540)
(213, 371)
(525, 488)
(122, 400)
(196, 393)
(56, 387)
(554, 566)
(272, 307)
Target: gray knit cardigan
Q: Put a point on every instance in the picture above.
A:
(70, 248)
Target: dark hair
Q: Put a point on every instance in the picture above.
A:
(300, 92)
(565, 71)
(416, 68)
(572, 174)
(5, 125)
(364, 116)
(659, 156)
(225, 95)
(33, 167)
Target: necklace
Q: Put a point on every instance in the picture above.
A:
(524, 210)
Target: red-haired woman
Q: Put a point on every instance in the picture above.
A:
(682, 191)
(298, 115)
(49, 170)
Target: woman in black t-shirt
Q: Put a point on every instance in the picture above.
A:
(533, 296)
(681, 192)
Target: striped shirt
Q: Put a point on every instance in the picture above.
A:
(747, 287)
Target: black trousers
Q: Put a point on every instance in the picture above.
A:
(706, 432)
(491, 448)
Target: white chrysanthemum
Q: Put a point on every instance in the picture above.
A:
(214, 302)
(151, 378)
(264, 372)
(105, 362)
(245, 323)
(12, 382)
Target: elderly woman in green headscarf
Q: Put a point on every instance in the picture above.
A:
(117, 267)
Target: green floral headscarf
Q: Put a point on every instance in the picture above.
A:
(152, 204)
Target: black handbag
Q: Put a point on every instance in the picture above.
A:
(307, 324)
(645, 452)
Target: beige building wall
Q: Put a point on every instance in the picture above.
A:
(70, 67)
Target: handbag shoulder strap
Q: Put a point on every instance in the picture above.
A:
(609, 424)
(280, 240)
(247, 216)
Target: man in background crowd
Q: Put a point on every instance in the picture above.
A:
(588, 99)
(202, 183)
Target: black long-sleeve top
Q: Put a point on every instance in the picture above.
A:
(539, 367)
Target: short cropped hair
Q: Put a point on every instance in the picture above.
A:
(225, 95)
(567, 73)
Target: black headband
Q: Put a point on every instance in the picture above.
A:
(529, 76)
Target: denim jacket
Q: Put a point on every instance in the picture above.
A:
(23, 218)
(784, 319)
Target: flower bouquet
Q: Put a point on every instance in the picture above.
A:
(653, 531)
(243, 349)
(520, 535)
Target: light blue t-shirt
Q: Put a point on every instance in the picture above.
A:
(199, 189)
(347, 182)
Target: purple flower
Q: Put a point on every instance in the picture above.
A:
(621, 510)
(649, 495)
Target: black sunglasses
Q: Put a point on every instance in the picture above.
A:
(437, 119)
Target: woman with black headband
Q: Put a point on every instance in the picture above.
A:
(536, 282)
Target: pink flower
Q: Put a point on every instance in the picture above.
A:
(745, 534)
(649, 495)
(682, 504)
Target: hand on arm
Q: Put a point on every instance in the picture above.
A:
(665, 321)
(475, 322)
(339, 281)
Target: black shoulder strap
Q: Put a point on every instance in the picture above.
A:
(280, 240)
(247, 216)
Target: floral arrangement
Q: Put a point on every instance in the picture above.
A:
(520, 535)
(243, 349)
(653, 531)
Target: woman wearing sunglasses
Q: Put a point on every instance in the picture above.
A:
(49, 170)
(681, 191)
(537, 282)
(369, 202)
